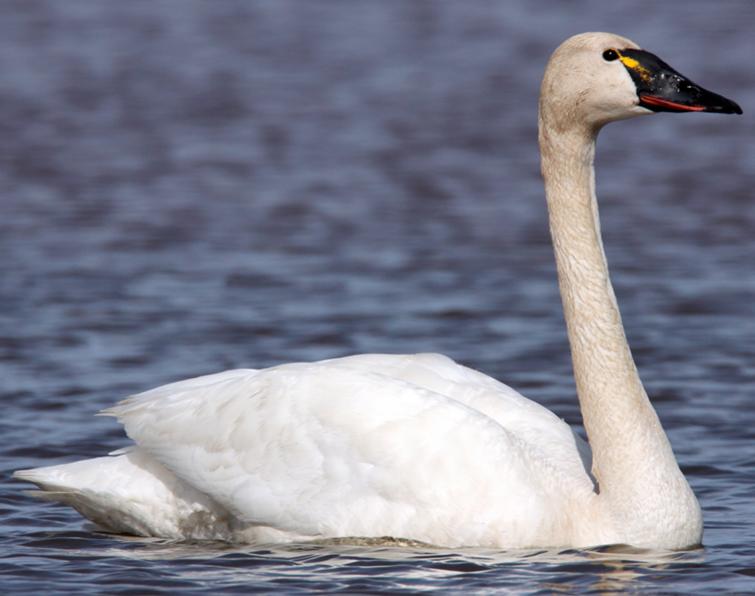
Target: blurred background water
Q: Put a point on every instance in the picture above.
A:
(190, 186)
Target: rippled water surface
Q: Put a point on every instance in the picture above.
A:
(192, 186)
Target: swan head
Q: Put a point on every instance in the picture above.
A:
(596, 78)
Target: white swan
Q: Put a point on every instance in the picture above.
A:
(418, 446)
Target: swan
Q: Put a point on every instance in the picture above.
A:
(417, 446)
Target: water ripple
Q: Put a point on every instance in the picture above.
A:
(190, 186)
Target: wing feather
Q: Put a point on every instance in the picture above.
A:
(334, 448)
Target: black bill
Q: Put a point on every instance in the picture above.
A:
(662, 89)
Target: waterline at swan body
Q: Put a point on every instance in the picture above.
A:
(417, 446)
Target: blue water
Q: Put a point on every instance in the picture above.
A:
(191, 186)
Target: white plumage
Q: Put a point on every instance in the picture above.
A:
(419, 447)
(371, 445)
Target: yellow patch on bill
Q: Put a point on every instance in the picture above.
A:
(636, 66)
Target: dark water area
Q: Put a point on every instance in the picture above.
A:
(189, 186)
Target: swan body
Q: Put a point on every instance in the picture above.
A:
(418, 446)
(370, 445)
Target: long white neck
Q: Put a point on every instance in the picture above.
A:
(641, 487)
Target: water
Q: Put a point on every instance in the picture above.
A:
(187, 187)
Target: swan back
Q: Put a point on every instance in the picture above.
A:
(372, 444)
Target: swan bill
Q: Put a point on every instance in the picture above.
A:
(660, 88)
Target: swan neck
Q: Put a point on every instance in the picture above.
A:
(633, 462)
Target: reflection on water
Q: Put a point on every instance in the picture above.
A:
(187, 187)
(317, 566)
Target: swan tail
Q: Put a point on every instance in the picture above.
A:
(130, 494)
(70, 484)
(50, 489)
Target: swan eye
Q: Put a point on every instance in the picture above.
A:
(610, 55)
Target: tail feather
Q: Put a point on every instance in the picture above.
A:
(132, 494)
